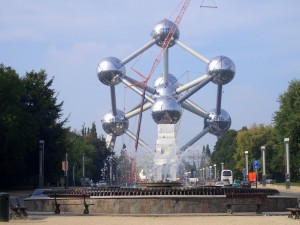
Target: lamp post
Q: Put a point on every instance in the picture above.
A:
(74, 174)
(83, 169)
(263, 152)
(66, 172)
(215, 171)
(41, 162)
(246, 164)
(287, 156)
(210, 173)
(203, 173)
(200, 174)
(222, 166)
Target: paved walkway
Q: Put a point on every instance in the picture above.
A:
(160, 220)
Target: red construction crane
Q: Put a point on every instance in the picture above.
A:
(157, 60)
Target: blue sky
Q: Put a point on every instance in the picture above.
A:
(69, 38)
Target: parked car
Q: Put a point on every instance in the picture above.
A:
(245, 184)
(270, 181)
(236, 183)
(101, 183)
(219, 184)
(226, 183)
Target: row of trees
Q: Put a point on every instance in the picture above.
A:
(30, 112)
(231, 148)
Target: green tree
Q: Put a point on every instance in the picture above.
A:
(224, 150)
(40, 101)
(287, 125)
(17, 129)
(251, 140)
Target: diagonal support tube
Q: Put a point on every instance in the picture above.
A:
(192, 107)
(142, 143)
(195, 89)
(135, 112)
(193, 52)
(191, 84)
(195, 139)
(138, 91)
(138, 52)
(140, 84)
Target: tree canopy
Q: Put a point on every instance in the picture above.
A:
(30, 112)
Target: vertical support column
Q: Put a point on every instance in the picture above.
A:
(263, 151)
(166, 66)
(287, 156)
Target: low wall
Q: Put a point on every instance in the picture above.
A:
(159, 204)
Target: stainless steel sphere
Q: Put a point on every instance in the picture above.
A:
(167, 89)
(164, 90)
(110, 70)
(224, 69)
(166, 110)
(161, 30)
(218, 124)
(116, 125)
(172, 80)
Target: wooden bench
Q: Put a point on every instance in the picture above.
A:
(17, 211)
(295, 213)
(59, 197)
(259, 199)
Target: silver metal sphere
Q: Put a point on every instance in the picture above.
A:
(172, 80)
(167, 89)
(218, 124)
(161, 30)
(166, 110)
(116, 125)
(164, 90)
(110, 70)
(224, 69)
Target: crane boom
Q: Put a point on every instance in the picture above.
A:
(157, 60)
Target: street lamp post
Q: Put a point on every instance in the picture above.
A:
(200, 174)
(246, 163)
(215, 171)
(222, 166)
(41, 162)
(83, 169)
(74, 174)
(263, 151)
(210, 173)
(287, 156)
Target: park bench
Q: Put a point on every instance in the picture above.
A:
(58, 201)
(295, 212)
(17, 210)
(245, 199)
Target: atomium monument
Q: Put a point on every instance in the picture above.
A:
(166, 99)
